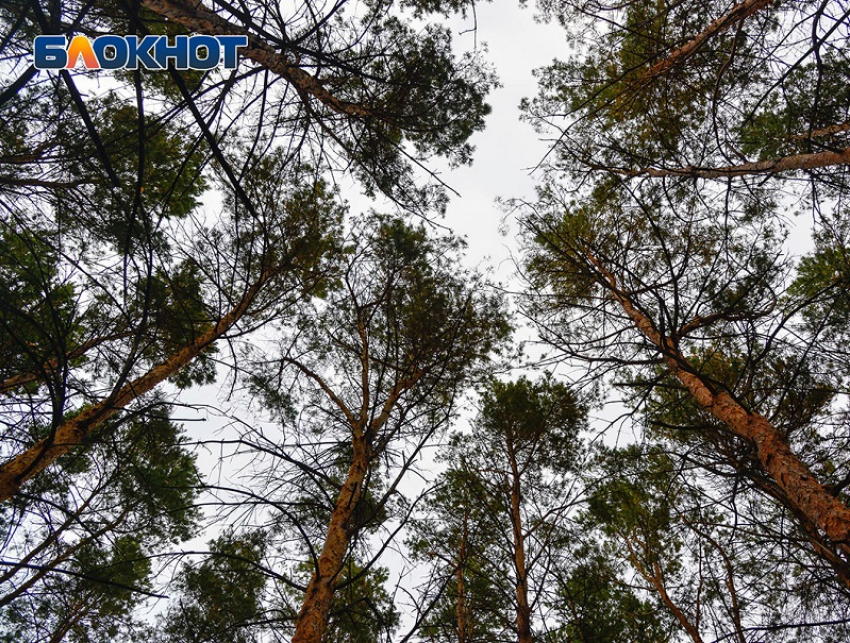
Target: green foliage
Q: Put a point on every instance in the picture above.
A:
(86, 533)
(459, 538)
(624, 113)
(220, 598)
(298, 226)
(524, 448)
(362, 611)
(110, 269)
(161, 185)
(596, 604)
(635, 499)
(797, 119)
(539, 421)
(821, 282)
(395, 293)
(158, 471)
(39, 314)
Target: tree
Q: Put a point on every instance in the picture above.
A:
(656, 248)
(77, 547)
(687, 313)
(710, 554)
(516, 467)
(354, 91)
(208, 609)
(90, 332)
(364, 378)
(334, 86)
(115, 281)
(699, 91)
(458, 534)
(593, 602)
(362, 611)
(169, 322)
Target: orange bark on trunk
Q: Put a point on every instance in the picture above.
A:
(656, 579)
(15, 472)
(736, 14)
(790, 163)
(199, 19)
(523, 609)
(460, 610)
(798, 484)
(313, 618)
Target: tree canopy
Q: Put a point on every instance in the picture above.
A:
(237, 408)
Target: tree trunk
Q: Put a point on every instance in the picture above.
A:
(772, 166)
(658, 583)
(523, 610)
(15, 472)
(460, 610)
(739, 12)
(791, 475)
(199, 19)
(655, 577)
(313, 618)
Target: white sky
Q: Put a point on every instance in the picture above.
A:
(507, 149)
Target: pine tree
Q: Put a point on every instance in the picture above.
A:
(657, 247)
(512, 478)
(366, 377)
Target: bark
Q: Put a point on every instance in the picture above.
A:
(523, 610)
(797, 483)
(656, 579)
(199, 19)
(20, 379)
(460, 610)
(822, 546)
(829, 130)
(790, 163)
(736, 14)
(15, 472)
(313, 618)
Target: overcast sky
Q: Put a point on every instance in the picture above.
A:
(507, 149)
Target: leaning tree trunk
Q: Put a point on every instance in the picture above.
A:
(15, 472)
(796, 481)
(313, 618)
(735, 15)
(791, 163)
(199, 19)
(655, 577)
